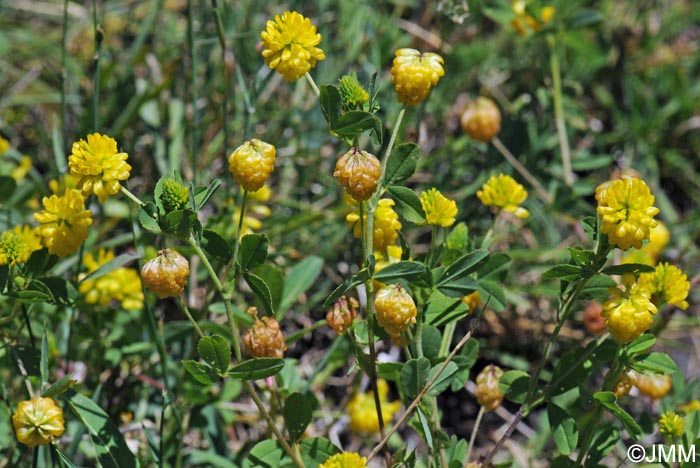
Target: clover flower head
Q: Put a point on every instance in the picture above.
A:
(290, 45)
(386, 225)
(363, 414)
(667, 284)
(38, 421)
(626, 208)
(472, 301)
(671, 424)
(98, 165)
(17, 244)
(629, 312)
(122, 284)
(352, 92)
(4, 145)
(252, 163)
(64, 222)
(524, 20)
(345, 460)
(414, 73)
(439, 210)
(655, 386)
(502, 191)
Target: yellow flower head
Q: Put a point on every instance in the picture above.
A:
(626, 207)
(504, 192)
(38, 421)
(624, 384)
(363, 414)
(630, 312)
(472, 301)
(386, 225)
(252, 163)
(668, 284)
(4, 145)
(64, 222)
(17, 244)
(290, 45)
(439, 210)
(414, 73)
(345, 460)
(523, 19)
(671, 424)
(122, 284)
(98, 165)
(655, 386)
(20, 172)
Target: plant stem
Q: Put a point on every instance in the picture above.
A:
(96, 71)
(312, 83)
(522, 170)
(482, 410)
(187, 313)
(239, 231)
(131, 196)
(559, 111)
(392, 139)
(64, 76)
(195, 90)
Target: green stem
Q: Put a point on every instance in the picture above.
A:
(131, 196)
(195, 90)
(64, 75)
(96, 71)
(472, 438)
(559, 111)
(312, 83)
(187, 313)
(239, 231)
(392, 139)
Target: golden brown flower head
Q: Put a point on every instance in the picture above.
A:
(481, 119)
(252, 163)
(38, 421)
(414, 73)
(358, 172)
(342, 314)
(64, 222)
(487, 393)
(265, 339)
(166, 275)
(396, 310)
(290, 45)
(655, 386)
(98, 165)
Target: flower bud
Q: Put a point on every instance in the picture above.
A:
(174, 195)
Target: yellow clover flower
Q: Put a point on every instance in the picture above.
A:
(363, 413)
(255, 212)
(17, 244)
(290, 45)
(345, 460)
(523, 19)
(98, 165)
(122, 284)
(414, 73)
(439, 210)
(38, 421)
(626, 207)
(4, 145)
(630, 312)
(64, 222)
(671, 424)
(386, 224)
(668, 284)
(504, 192)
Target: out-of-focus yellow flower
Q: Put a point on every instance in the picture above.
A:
(63, 183)
(345, 460)
(626, 207)
(439, 210)
(363, 413)
(654, 386)
(17, 244)
(524, 20)
(38, 421)
(414, 73)
(671, 424)
(384, 259)
(64, 222)
(504, 192)
(122, 284)
(630, 312)
(99, 166)
(290, 45)
(386, 225)
(668, 284)
(693, 405)
(24, 166)
(624, 384)
(472, 301)
(4, 145)
(255, 211)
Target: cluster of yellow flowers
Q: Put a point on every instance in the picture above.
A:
(17, 244)
(122, 284)
(38, 421)
(524, 20)
(386, 224)
(345, 460)
(671, 424)
(502, 191)
(363, 413)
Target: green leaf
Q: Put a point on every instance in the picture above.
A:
(297, 414)
(216, 246)
(414, 376)
(607, 438)
(496, 267)
(444, 380)
(465, 360)
(569, 372)
(7, 187)
(331, 104)
(299, 279)
(354, 123)
(181, 223)
(147, 218)
(252, 251)
(316, 450)
(200, 372)
(110, 266)
(202, 194)
(494, 292)
(655, 363)
(408, 204)
(442, 309)
(401, 163)
(274, 278)
(108, 442)
(63, 292)
(406, 270)
(430, 339)
(609, 401)
(44, 365)
(215, 351)
(563, 428)
(642, 344)
(60, 386)
(585, 17)
(261, 290)
(564, 271)
(634, 268)
(389, 371)
(426, 428)
(464, 266)
(597, 287)
(267, 454)
(514, 385)
(63, 458)
(458, 239)
(254, 369)
(208, 459)
(459, 287)
(344, 287)
(582, 257)
(35, 292)
(38, 262)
